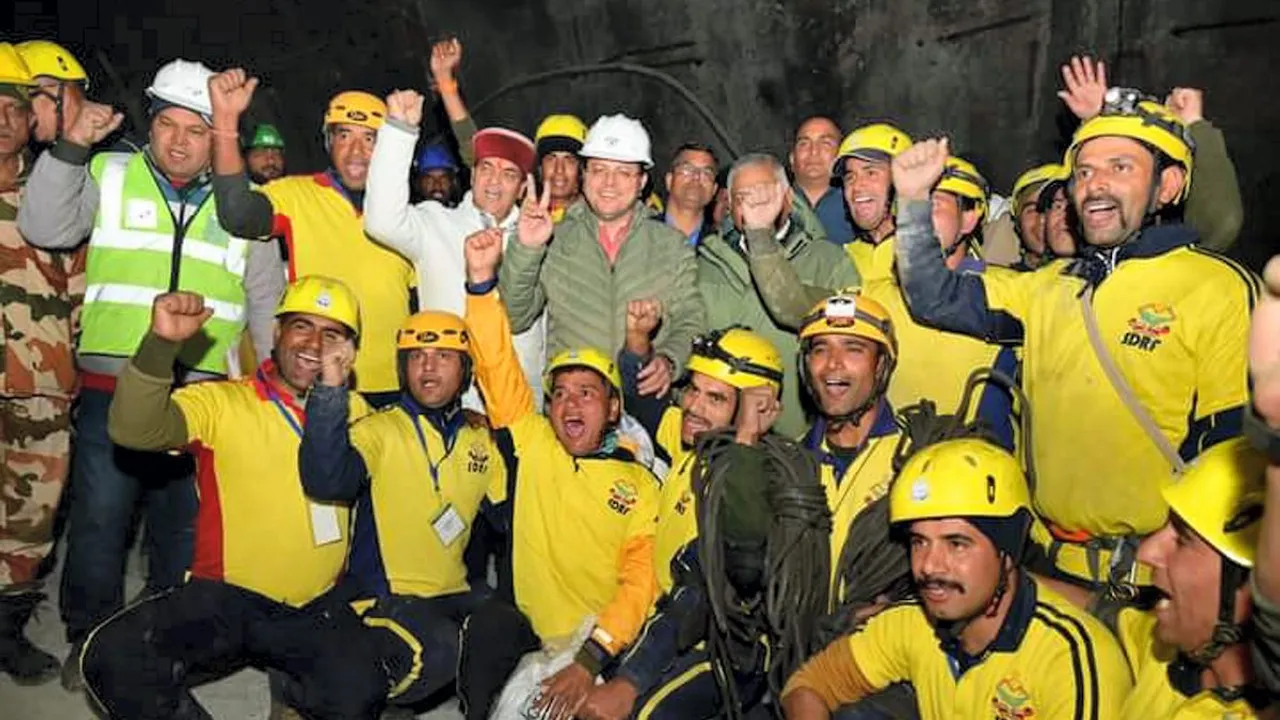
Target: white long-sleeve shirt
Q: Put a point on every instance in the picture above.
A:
(431, 236)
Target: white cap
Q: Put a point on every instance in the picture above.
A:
(186, 84)
(620, 138)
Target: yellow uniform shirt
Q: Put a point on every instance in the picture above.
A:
(935, 364)
(873, 260)
(1154, 695)
(1177, 327)
(852, 486)
(396, 547)
(677, 511)
(325, 236)
(582, 528)
(1050, 661)
(255, 528)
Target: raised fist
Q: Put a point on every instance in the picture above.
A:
(446, 57)
(177, 316)
(230, 92)
(918, 168)
(1187, 104)
(94, 122)
(483, 252)
(405, 106)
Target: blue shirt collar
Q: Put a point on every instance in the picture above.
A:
(1010, 635)
(447, 420)
(815, 440)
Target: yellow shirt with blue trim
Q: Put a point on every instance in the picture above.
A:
(582, 528)
(255, 528)
(1049, 660)
(395, 548)
(324, 233)
(853, 484)
(1164, 688)
(677, 510)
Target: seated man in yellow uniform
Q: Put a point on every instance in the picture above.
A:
(727, 368)
(1190, 655)
(417, 473)
(266, 555)
(985, 640)
(579, 516)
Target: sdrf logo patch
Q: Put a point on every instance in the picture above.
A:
(622, 497)
(1149, 328)
(1012, 701)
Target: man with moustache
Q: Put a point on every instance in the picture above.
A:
(266, 553)
(435, 176)
(558, 140)
(1170, 318)
(985, 639)
(431, 235)
(691, 186)
(151, 221)
(812, 154)
(264, 156)
(320, 216)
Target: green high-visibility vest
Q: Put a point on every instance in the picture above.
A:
(132, 260)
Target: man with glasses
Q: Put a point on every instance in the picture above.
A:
(608, 251)
(691, 186)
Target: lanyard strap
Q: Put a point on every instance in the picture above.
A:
(426, 451)
(275, 400)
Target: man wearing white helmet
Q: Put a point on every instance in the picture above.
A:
(152, 229)
(607, 252)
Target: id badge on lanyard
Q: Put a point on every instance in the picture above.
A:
(325, 527)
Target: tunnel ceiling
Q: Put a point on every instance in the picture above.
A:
(982, 71)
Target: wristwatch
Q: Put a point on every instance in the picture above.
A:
(1261, 435)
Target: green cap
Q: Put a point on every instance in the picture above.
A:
(267, 136)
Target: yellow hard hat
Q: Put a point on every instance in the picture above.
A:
(13, 71)
(434, 329)
(1035, 178)
(1220, 496)
(323, 296)
(849, 313)
(738, 357)
(562, 126)
(590, 358)
(52, 60)
(966, 478)
(355, 107)
(880, 142)
(1126, 114)
(961, 177)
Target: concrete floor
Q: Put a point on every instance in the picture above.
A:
(240, 696)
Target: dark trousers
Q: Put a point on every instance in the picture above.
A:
(141, 663)
(418, 639)
(494, 639)
(896, 702)
(107, 483)
(688, 691)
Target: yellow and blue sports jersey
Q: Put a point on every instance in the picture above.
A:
(873, 260)
(935, 364)
(854, 480)
(244, 435)
(1167, 688)
(581, 528)
(1049, 660)
(677, 511)
(324, 234)
(422, 465)
(1175, 319)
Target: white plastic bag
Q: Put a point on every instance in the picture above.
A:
(525, 686)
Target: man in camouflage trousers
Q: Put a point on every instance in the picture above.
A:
(40, 293)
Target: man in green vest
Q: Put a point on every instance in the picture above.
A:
(264, 158)
(152, 229)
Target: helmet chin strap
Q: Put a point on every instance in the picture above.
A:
(884, 368)
(956, 627)
(1226, 631)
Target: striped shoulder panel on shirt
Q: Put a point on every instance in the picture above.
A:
(1084, 661)
(1250, 280)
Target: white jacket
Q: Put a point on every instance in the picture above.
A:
(430, 236)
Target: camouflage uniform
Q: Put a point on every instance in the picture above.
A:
(40, 296)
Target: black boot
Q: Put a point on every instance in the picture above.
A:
(26, 663)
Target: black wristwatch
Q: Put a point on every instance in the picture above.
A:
(1261, 435)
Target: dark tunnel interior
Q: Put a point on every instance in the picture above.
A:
(985, 72)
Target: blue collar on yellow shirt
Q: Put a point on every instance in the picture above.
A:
(884, 425)
(447, 420)
(1012, 630)
(1094, 263)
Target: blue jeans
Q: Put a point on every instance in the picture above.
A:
(107, 483)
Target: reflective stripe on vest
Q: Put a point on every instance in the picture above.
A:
(130, 263)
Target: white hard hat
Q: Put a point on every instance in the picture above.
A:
(186, 84)
(618, 137)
